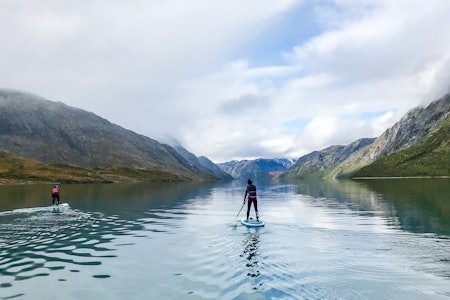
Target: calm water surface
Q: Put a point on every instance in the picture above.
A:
(381, 239)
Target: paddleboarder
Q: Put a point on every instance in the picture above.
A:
(55, 195)
(251, 193)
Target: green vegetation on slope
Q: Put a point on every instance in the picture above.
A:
(428, 157)
(14, 169)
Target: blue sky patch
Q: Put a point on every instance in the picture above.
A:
(296, 124)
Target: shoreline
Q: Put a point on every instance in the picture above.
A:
(401, 177)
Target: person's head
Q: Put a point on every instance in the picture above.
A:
(249, 181)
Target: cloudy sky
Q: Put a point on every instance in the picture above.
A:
(236, 79)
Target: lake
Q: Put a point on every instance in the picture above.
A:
(373, 239)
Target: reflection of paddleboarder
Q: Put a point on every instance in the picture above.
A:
(55, 195)
(251, 192)
(251, 254)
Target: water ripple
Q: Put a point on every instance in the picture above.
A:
(192, 249)
(36, 242)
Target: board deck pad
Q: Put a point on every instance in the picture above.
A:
(252, 222)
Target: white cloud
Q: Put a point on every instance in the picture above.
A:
(378, 125)
(174, 68)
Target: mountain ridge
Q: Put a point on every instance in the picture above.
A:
(202, 163)
(258, 169)
(53, 132)
(415, 126)
(430, 156)
(316, 163)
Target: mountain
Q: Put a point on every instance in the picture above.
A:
(316, 163)
(215, 169)
(259, 169)
(415, 126)
(15, 170)
(416, 145)
(53, 132)
(201, 163)
(430, 156)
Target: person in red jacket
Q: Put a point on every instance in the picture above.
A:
(55, 195)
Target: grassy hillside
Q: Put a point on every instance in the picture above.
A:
(14, 169)
(428, 157)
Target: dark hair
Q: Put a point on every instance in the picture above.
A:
(249, 181)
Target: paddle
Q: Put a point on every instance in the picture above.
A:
(245, 199)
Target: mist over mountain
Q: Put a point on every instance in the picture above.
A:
(52, 132)
(215, 169)
(201, 163)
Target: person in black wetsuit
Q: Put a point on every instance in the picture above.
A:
(251, 193)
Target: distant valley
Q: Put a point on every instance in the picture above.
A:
(41, 140)
(258, 169)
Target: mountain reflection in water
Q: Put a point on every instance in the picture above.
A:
(322, 240)
(416, 205)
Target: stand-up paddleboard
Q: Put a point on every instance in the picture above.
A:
(60, 206)
(252, 222)
(30, 210)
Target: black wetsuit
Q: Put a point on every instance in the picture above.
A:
(251, 192)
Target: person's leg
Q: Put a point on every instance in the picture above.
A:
(255, 204)
(57, 199)
(53, 199)
(249, 205)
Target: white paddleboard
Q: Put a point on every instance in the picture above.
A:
(30, 210)
(61, 206)
(252, 223)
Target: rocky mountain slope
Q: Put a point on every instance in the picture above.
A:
(423, 127)
(259, 169)
(430, 156)
(52, 132)
(316, 163)
(414, 126)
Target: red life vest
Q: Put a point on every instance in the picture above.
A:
(54, 190)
